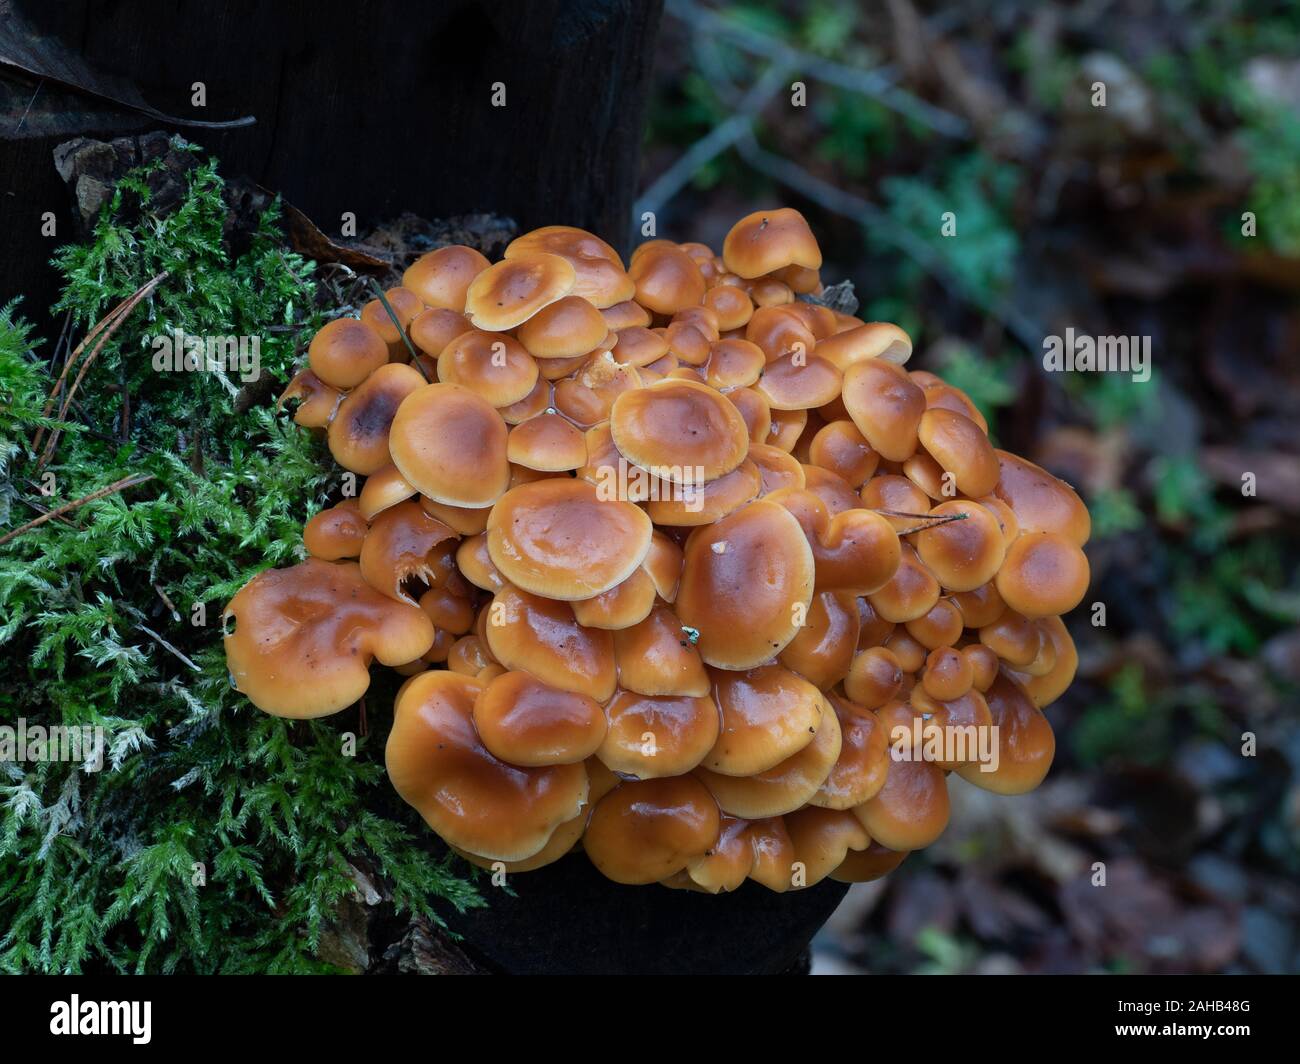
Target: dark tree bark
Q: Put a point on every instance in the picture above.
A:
(361, 106)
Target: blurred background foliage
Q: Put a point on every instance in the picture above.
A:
(1172, 212)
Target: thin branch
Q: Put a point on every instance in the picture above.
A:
(67, 507)
(415, 358)
(155, 636)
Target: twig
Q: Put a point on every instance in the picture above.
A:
(934, 522)
(155, 636)
(176, 616)
(415, 358)
(117, 485)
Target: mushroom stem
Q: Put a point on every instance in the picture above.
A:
(117, 485)
(401, 331)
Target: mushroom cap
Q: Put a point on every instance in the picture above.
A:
(451, 444)
(560, 539)
(910, 593)
(625, 315)
(658, 735)
(465, 520)
(655, 657)
(911, 810)
(948, 674)
(398, 548)
(886, 406)
(767, 241)
(1040, 501)
(336, 532)
(822, 839)
(622, 606)
(799, 382)
(441, 278)
(679, 430)
(747, 583)
(537, 635)
(646, 830)
(863, 866)
(786, 427)
(728, 861)
(469, 656)
(855, 550)
(961, 447)
(526, 722)
(1026, 744)
(568, 327)
(663, 563)
(940, 395)
(1044, 575)
(688, 342)
(493, 365)
(963, 554)
(773, 854)
(840, 448)
(684, 506)
(860, 771)
(303, 637)
(756, 413)
(941, 627)
(1014, 638)
(734, 364)
(359, 434)
(434, 328)
(384, 487)
(405, 306)
(1046, 688)
(780, 331)
(598, 269)
(768, 715)
(666, 278)
(784, 787)
(638, 346)
(889, 492)
(979, 606)
(769, 292)
(875, 676)
(532, 405)
(983, 663)
(450, 610)
(317, 401)
(859, 343)
(731, 304)
(547, 443)
(513, 290)
(474, 801)
(776, 468)
(823, 648)
(474, 562)
(345, 352)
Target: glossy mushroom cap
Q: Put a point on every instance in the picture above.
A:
(599, 274)
(442, 278)
(658, 735)
(874, 677)
(822, 839)
(336, 532)
(568, 327)
(646, 830)
(547, 443)
(666, 278)
(473, 800)
(299, 641)
(962, 554)
(1044, 575)
(747, 583)
(345, 352)
(399, 547)
(859, 343)
(911, 810)
(490, 364)
(767, 241)
(513, 290)
(526, 722)
(863, 866)
(359, 434)
(656, 657)
(768, 715)
(961, 448)
(823, 648)
(451, 444)
(886, 406)
(1040, 501)
(677, 429)
(1026, 744)
(860, 770)
(560, 539)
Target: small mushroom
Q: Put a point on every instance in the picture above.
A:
(493, 365)
(911, 810)
(677, 427)
(345, 352)
(1044, 575)
(886, 406)
(658, 735)
(442, 278)
(860, 770)
(646, 830)
(666, 278)
(399, 548)
(655, 657)
(451, 444)
(359, 434)
(526, 722)
(768, 715)
(336, 532)
(767, 241)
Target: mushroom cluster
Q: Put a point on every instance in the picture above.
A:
(683, 567)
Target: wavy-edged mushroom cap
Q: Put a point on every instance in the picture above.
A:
(1044, 575)
(864, 866)
(492, 365)
(679, 430)
(727, 863)
(911, 810)
(567, 328)
(767, 241)
(513, 290)
(336, 532)
(855, 550)
(646, 830)
(840, 448)
(622, 606)
(547, 443)
(399, 547)
(526, 722)
(317, 401)
(859, 343)
(784, 787)
(886, 406)
(540, 636)
(823, 649)
(1046, 688)
(961, 448)
(345, 352)
(656, 657)
(442, 277)
(747, 583)
(598, 269)
(474, 801)
(859, 772)
(560, 539)
(1040, 501)
(384, 487)
(299, 641)
(777, 468)
(451, 444)
(768, 716)
(688, 341)
(875, 676)
(1026, 744)
(686, 506)
(658, 735)
(666, 278)
(663, 563)
(638, 346)
(822, 839)
(962, 554)
(360, 432)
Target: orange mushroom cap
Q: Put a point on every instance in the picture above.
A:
(1044, 574)
(656, 657)
(384, 487)
(512, 291)
(336, 532)
(911, 810)
(399, 547)
(822, 839)
(860, 770)
(962, 554)
(317, 401)
(822, 651)
(359, 433)
(442, 278)
(658, 735)
(679, 430)
(598, 269)
(451, 444)
(767, 241)
(568, 327)
(1026, 744)
(526, 722)
(547, 443)
(768, 715)
(886, 406)
(863, 866)
(646, 830)
(666, 278)
(345, 352)
(1040, 501)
